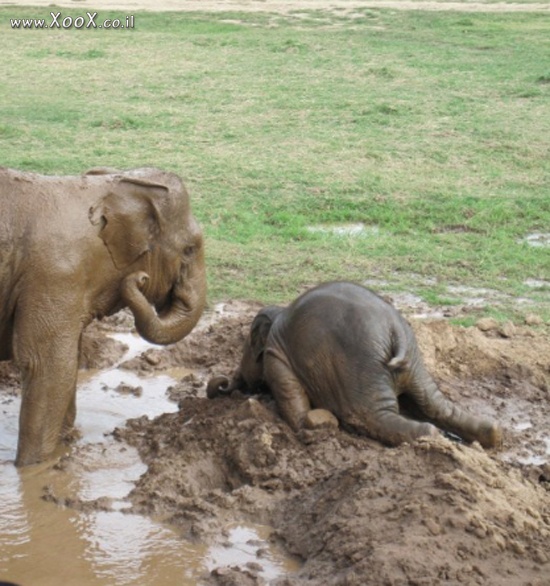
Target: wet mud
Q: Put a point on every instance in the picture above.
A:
(338, 508)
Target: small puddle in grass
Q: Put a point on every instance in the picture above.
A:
(42, 543)
(538, 239)
(343, 230)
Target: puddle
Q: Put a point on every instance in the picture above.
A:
(523, 426)
(475, 296)
(352, 229)
(538, 239)
(461, 298)
(251, 545)
(417, 307)
(533, 439)
(42, 543)
(537, 283)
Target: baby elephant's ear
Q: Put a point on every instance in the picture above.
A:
(260, 329)
(128, 218)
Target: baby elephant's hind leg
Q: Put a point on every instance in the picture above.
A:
(289, 393)
(448, 415)
(379, 415)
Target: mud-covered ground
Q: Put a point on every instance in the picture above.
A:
(351, 510)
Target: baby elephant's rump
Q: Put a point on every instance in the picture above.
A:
(342, 348)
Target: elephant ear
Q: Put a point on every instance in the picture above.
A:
(129, 218)
(259, 331)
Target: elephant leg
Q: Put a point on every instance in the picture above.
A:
(47, 357)
(288, 391)
(379, 416)
(445, 414)
(70, 415)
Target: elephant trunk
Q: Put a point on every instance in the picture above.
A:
(188, 297)
(216, 386)
(221, 385)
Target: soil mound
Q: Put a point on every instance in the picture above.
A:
(352, 510)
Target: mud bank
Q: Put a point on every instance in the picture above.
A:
(351, 510)
(348, 510)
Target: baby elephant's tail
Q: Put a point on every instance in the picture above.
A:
(399, 349)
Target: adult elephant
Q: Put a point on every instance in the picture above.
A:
(342, 348)
(77, 248)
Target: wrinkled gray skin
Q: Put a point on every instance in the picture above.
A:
(77, 248)
(342, 348)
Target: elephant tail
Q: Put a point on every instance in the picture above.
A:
(399, 350)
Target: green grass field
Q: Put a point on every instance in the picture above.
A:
(430, 128)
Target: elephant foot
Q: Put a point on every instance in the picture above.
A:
(71, 435)
(32, 453)
(425, 430)
(407, 431)
(489, 435)
(320, 419)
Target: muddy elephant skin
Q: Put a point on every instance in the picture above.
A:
(342, 348)
(77, 248)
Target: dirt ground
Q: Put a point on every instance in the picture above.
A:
(352, 511)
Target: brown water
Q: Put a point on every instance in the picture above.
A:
(42, 543)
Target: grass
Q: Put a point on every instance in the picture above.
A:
(431, 128)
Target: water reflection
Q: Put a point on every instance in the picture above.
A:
(127, 549)
(42, 543)
(247, 545)
(46, 547)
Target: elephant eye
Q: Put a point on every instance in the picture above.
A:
(188, 250)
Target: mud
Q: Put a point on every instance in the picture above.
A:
(344, 509)
(353, 511)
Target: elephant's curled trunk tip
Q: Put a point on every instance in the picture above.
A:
(219, 385)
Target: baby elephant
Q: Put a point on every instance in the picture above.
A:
(342, 348)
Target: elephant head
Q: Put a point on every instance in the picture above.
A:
(145, 221)
(79, 247)
(249, 376)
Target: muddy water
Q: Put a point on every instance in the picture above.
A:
(42, 543)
